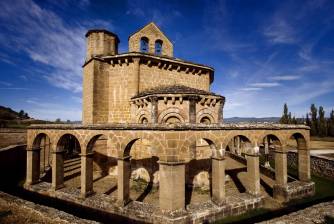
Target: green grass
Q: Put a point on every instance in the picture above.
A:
(324, 189)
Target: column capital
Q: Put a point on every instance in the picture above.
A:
(217, 158)
(89, 154)
(124, 158)
(57, 152)
(33, 149)
(172, 163)
(281, 152)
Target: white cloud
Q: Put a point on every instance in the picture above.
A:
(52, 111)
(280, 32)
(47, 39)
(250, 89)
(5, 83)
(285, 77)
(264, 84)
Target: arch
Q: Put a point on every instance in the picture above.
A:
(205, 120)
(302, 143)
(206, 112)
(142, 159)
(244, 141)
(38, 139)
(303, 162)
(69, 144)
(42, 144)
(173, 119)
(143, 119)
(144, 45)
(170, 112)
(269, 144)
(158, 47)
(141, 114)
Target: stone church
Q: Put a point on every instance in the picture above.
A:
(147, 84)
(150, 116)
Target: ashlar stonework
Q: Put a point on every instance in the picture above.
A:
(150, 116)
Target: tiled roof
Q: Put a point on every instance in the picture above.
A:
(174, 89)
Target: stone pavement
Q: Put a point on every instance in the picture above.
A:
(314, 214)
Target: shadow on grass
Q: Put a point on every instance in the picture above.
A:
(324, 192)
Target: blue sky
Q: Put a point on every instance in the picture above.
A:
(265, 53)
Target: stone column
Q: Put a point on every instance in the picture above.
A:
(33, 166)
(304, 167)
(281, 176)
(154, 112)
(123, 180)
(218, 180)
(220, 111)
(266, 152)
(253, 172)
(281, 168)
(57, 170)
(238, 145)
(172, 185)
(192, 109)
(86, 174)
(136, 77)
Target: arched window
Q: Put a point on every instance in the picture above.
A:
(173, 120)
(144, 44)
(158, 47)
(144, 120)
(205, 120)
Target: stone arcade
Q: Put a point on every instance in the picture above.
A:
(147, 109)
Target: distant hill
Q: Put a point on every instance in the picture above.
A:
(7, 113)
(251, 119)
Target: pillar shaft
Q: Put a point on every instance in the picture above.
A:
(172, 186)
(57, 170)
(281, 168)
(154, 112)
(86, 174)
(123, 180)
(253, 174)
(218, 180)
(33, 166)
(136, 76)
(304, 167)
(192, 109)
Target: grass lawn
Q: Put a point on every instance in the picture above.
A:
(324, 191)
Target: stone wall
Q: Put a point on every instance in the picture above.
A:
(152, 33)
(320, 165)
(12, 165)
(12, 137)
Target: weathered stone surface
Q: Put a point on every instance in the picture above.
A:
(16, 210)
(313, 214)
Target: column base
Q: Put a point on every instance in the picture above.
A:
(123, 203)
(87, 194)
(219, 202)
(54, 188)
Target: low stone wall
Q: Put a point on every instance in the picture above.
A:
(12, 136)
(293, 190)
(12, 165)
(320, 165)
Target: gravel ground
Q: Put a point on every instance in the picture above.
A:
(18, 211)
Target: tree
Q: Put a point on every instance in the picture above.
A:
(331, 124)
(285, 117)
(21, 114)
(289, 118)
(322, 132)
(294, 120)
(58, 120)
(314, 121)
(308, 121)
